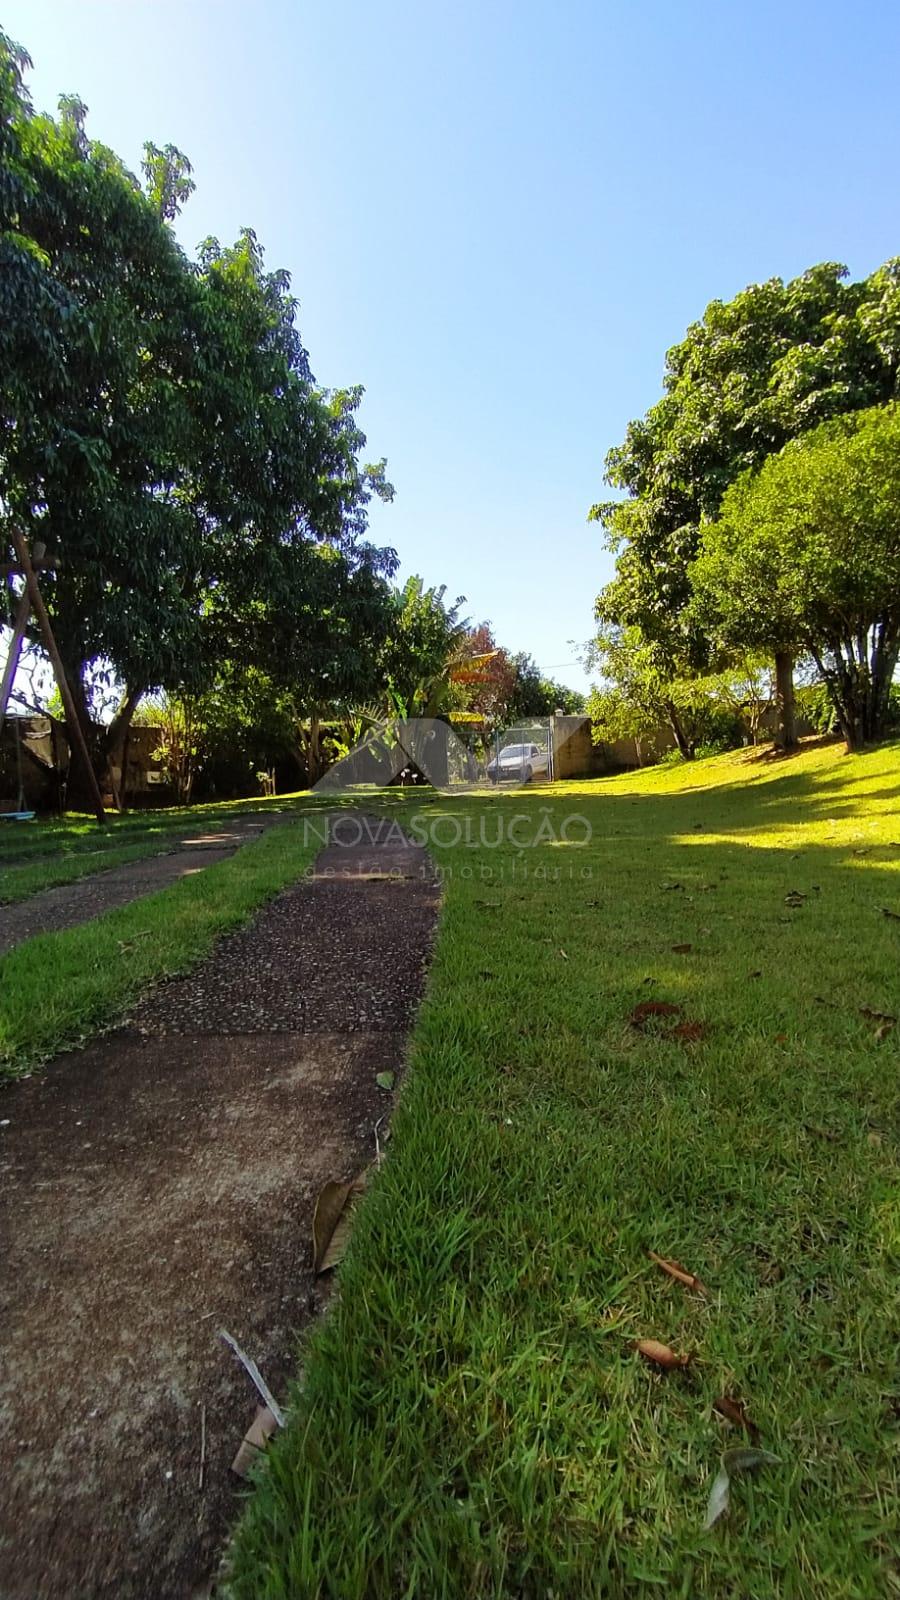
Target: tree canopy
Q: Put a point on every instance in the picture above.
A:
(805, 556)
(160, 427)
(754, 373)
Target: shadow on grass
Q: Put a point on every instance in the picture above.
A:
(474, 1418)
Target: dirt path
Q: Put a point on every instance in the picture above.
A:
(158, 1186)
(50, 910)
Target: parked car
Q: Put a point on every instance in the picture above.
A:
(519, 763)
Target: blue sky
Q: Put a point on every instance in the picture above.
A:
(498, 217)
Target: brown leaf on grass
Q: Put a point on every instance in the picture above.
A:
(756, 974)
(795, 898)
(682, 949)
(647, 1009)
(660, 1354)
(254, 1441)
(674, 1270)
(877, 1016)
(781, 1038)
(893, 916)
(883, 1029)
(875, 1139)
(733, 1409)
(689, 1032)
(333, 1221)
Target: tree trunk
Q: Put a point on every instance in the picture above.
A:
(860, 689)
(685, 746)
(786, 732)
(111, 742)
(313, 751)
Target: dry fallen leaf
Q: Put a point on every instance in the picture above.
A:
(333, 1221)
(717, 1504)
(746, 1458)
(254, 1441)
(648, 1009)
(660, 1354)
(883, 1029)
(675, 1270)
(893, 916)
(875, 1139)
(876, 1016)
(795, 898)
(733, 1410)
(689, 1032)
(682, 949)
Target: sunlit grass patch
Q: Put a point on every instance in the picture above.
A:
(474, 1418)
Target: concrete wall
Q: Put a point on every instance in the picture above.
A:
(576, 756)
(572, 748)
(44, 755)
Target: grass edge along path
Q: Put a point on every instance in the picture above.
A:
(62, 851)
(59, 988)
(21, 882)
(475, 1420)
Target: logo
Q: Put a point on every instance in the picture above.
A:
(424, 750)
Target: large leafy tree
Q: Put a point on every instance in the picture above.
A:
(752, 374)
(425, 640)
(535, 695)
(171, 447)
(641, 693)
(805, 556)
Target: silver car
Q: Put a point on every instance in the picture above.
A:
(519, 763)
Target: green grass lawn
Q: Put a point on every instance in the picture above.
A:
(474, 1419)
(43, 852)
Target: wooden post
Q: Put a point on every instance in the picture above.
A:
(74, 726)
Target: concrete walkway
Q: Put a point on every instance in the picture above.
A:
(160, 1185)
(69, 904)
